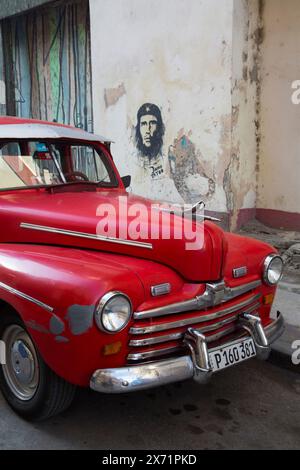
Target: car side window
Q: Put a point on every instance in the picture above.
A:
(11, 166)
(26, 164)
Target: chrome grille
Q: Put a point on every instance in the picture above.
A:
(162, 335)
(199, 318)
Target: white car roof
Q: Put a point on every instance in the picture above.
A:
(46, 131)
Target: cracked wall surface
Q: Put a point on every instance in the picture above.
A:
(197, 97)
(241, 173)
(200, 69)
(178, 59)
(178, 91)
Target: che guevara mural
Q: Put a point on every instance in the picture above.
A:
(166, 171)
(150, 176)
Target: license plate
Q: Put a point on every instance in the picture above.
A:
(232, 354)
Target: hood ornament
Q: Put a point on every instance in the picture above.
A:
(177, 209)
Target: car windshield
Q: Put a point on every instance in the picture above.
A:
(39, 163)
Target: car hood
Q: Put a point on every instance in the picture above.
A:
(76, 219)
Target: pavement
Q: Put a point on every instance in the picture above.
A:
(252, 406)
(287, 299)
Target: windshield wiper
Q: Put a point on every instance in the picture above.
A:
(91, 185)
(61, 187)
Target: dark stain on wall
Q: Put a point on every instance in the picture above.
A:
(259, 38)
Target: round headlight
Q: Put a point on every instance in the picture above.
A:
(273, 269)
(113, 312)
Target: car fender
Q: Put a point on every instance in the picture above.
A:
(55, 291)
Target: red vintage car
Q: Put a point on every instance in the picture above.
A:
(114, 312)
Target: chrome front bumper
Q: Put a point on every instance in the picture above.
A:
(196, 365)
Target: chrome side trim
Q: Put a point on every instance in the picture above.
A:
(196, 319)
(215, 294)
(205, 329)
(16, 292)
(90, 236)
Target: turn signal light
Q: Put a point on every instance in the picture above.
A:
(268, 299)
(113, 348)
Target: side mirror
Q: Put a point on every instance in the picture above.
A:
(126, 181)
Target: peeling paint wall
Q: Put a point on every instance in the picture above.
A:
(175, 84)
(195, 61)
(279, 171)
(241, 173)
(177, 56)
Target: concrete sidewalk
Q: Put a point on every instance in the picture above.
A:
(287, 299)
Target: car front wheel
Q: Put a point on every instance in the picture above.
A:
(30, 387)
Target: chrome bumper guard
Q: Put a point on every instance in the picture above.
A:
(196, 365)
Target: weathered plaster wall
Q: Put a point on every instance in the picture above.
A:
(279, 162)
(196, 61)
(13, 7)
(178, 56)
(241, 173)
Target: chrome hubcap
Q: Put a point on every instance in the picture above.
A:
(21, 370)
